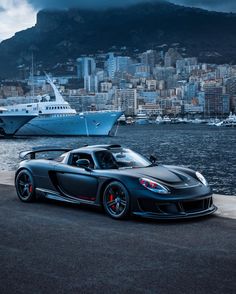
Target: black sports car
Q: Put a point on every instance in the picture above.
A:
(120, 180)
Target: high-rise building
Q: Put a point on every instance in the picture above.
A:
(231, 90)
(86, 66)
(86, 70)
(171, 56)
(191, 90)
(126, 100)
(216, 101)
(149, 58)
(117, 64)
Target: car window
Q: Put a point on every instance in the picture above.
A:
(126, 158)
(61, 157)
(77, 156)
(106, 160)
(120, 158)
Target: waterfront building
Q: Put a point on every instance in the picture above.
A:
(217, 102)
(230, 84)
(193, 109)
(151, 109)
(126, 100)
(233, 104)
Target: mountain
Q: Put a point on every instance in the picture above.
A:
(59, 35)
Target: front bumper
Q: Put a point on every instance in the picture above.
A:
(180, 215)
(172, 207)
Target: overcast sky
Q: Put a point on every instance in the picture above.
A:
(17, 15)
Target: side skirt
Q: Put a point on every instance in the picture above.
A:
(56, 196)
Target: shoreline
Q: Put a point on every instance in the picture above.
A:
(226, 204)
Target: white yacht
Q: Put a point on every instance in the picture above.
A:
(57, 118)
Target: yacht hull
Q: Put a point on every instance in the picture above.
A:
(86, 124)
(11, 123)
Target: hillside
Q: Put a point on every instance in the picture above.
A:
(59, 35)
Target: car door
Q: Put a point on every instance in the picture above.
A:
(75, 182)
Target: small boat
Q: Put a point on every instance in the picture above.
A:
(230, 121)
(214, 122)
(163, 120)
(142, 118)
(130, 120)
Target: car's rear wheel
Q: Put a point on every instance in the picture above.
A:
(116, 200)
(25, 186)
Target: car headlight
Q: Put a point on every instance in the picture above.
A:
(201, 179)
(153, 186)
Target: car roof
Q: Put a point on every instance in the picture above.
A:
(92, 148)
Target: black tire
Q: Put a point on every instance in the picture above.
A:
(116, 200)
(25, 187)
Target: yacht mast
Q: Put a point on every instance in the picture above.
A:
(32, 75)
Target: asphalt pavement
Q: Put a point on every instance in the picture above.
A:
(50, 247)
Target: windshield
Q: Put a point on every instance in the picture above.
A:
(121, 158)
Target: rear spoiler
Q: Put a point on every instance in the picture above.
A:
(31, 153)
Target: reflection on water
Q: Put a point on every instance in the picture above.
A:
(210, 150)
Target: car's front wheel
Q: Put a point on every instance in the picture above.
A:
(25, 186)
(116, 200)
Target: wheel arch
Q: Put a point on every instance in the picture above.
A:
(22, 168)
(105, 184)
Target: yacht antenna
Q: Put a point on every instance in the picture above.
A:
(32, 75)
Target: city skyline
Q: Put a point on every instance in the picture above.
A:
(154, 83)
(17, 15)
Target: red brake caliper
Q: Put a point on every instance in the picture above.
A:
(111, 198)
(30, 188)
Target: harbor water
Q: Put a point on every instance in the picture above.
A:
(210, 150)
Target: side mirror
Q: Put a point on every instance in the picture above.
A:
(83, 163)
(153, 159)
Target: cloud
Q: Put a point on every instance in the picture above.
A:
(217, 5)
(2, 9)
(15, 15)
(96, 4)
